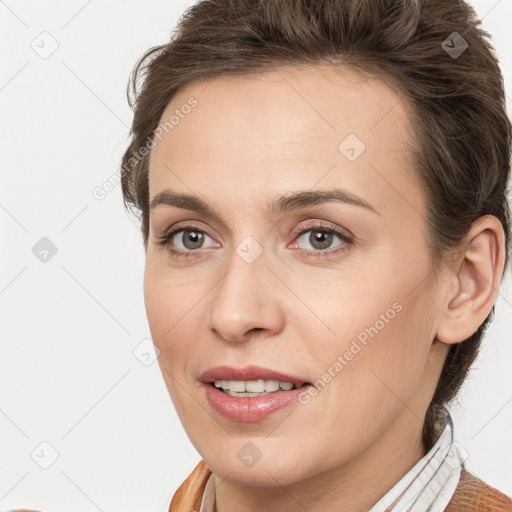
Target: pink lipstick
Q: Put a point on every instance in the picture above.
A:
(252, 393)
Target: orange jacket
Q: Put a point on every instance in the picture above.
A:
(471, 494)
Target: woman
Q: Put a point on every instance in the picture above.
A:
(322, 194)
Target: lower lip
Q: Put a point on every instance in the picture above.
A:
(250, 409)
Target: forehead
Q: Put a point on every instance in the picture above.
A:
(291, 127)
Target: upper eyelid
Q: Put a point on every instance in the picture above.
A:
(313, 224)
(344, 236)
(303, 212)
(317, 225)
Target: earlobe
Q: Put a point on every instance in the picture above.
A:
(478, 276)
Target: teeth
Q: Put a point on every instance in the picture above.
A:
(271, 385)
(236, 385)
(252, 387)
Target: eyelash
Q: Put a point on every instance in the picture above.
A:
(347, 239)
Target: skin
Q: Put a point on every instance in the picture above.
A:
(253, 138)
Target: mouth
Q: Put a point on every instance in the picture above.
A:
(250, 379)
(252, 393)
(251, 388)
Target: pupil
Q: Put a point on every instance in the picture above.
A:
(193, 240)
(320, 239)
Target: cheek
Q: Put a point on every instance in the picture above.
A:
(155, 300)
(169, 310)
(382, 362)
(372, 345)
(166, 305)
(175, 309)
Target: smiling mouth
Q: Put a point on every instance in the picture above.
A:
(251, 388)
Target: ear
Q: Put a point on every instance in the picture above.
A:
(476, 281)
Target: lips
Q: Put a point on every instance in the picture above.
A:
(250, 372)
(245, 407)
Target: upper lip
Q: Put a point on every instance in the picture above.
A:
(246, 373)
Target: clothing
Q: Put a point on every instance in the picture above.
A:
(438, 482)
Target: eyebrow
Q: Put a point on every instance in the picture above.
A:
(281, 204)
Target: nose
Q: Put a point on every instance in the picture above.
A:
(246, 300)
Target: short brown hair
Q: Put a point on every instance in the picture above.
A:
(457, 101)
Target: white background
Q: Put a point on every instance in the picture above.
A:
(68, 374)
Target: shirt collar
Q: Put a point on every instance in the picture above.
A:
(431, 483)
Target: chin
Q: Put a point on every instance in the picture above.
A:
(264, 474)
(252, 461)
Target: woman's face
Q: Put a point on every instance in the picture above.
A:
(262, 278)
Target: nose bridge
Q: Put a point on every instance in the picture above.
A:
(242, 299)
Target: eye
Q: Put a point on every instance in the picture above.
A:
(184, 241)
(189, 239)
(318, 240)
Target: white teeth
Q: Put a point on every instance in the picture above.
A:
(252, 387)
(237, 385)
(271, 385)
